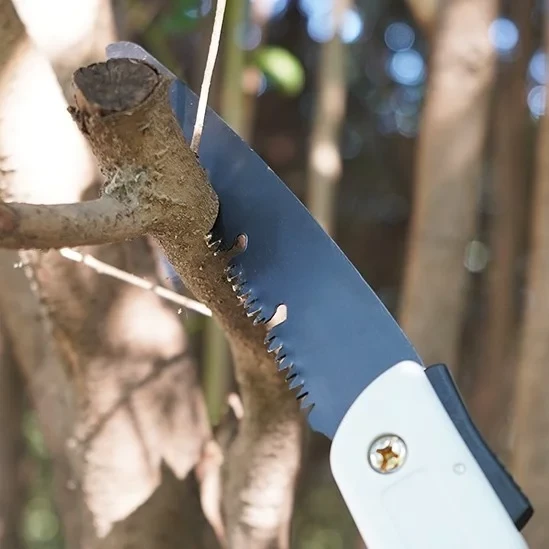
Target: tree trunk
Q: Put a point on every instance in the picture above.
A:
(325, 165)
(120, 405)
(492, 381)
(448, 174)
(531, 425)
(425, 13)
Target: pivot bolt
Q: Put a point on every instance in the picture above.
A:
(387, 453)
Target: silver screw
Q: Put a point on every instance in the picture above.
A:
(387, 453)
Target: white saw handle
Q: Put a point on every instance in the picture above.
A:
(439, 498)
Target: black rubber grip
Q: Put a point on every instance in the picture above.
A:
(515, 502)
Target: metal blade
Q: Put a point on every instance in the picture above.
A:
(338, 336)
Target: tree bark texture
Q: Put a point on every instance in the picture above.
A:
(531, 425)
(116, 391)
(448, 173)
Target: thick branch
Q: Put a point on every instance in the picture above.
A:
(40, 226)
(124, 110)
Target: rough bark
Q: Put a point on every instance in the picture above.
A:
(12, 447)
(531, 418)
(124, 418)
(325, 164)
(448, 172)
(493, 380)
(264, 458)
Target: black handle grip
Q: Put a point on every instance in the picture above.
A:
(510, 494)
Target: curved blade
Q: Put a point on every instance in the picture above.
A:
(338, 336)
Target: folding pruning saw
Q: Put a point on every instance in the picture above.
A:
(412, 468)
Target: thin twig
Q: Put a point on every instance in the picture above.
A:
(109, 270)
(208, 74)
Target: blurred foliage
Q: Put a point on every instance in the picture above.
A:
(183, 16)
(282, 69)
(40, 523)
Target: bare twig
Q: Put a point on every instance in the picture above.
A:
(208, 73)
(109, 270)
(34, 226)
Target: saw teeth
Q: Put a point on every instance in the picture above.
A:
(291, 374)
(213, 245)
(250, 300)
(237, 282)
(274, 345)
(297, 382)
(253, 310)
(245, 297)
(284, 365)
(259, 319)
(305, 404)
(232, 275)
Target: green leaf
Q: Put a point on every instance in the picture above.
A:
(281, 68)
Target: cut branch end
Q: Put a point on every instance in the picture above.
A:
(114, 86)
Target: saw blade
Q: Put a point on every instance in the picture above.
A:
(338, 336)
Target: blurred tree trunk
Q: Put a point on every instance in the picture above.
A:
(116, 392)
(448, 172)
(530, 441)
(425, 13)
(324, 168)
(492, 381)
(12, 448)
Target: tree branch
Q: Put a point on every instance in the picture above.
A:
(39, 226)
(269, 437)
(123, 108)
